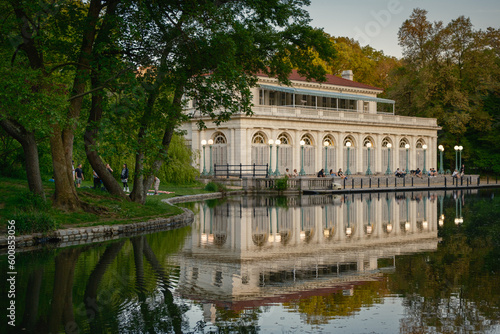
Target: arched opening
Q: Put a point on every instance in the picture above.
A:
(260, 149)
(309, 154)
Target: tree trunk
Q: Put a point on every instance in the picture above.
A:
(142, 182)
(65, 196)
(30, 148)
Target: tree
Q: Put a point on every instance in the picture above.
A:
(54, 40)
(211, 52)
(451, 73)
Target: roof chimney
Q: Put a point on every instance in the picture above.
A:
(347, 75)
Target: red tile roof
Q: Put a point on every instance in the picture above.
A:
(330, 80)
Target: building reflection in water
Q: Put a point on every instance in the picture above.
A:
(251, 251)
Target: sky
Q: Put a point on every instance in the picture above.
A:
(376, 22)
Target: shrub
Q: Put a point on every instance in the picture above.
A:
(281, 184)
(215, 187)
(34, 222)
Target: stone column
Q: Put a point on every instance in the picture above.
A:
(359, 153)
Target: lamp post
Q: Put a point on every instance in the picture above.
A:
(407, 146)
(302, 171)
(210, 143)
(348, 145)
(368, 171)
(425, 149)
(460, 148)
(203, 143)
(456, 156)
(388, 171)
(270, 170)
(441, 150)
(277, 172)
(326, 144)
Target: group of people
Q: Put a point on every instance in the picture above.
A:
(294, 174)
(458, 174)
(78, 177)
(432, 172)
(340, 173)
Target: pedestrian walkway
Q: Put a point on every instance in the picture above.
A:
(362, 183)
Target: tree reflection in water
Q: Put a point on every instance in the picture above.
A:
(127, 285)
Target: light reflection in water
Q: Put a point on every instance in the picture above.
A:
(310, 263)
(263, 249)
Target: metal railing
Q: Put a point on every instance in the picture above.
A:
(240, 171)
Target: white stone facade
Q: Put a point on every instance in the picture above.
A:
(292, 115)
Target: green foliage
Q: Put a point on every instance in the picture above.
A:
(177, 168)
(28, 201)
(451, 72)
(34, 222)
(215, 187)
(369, 66)
(281, 183)
(32, 214)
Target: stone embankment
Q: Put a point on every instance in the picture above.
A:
(85, 235)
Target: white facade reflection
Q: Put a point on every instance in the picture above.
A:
(251, 251)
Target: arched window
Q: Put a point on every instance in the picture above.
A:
(309, 154)
(260, 149)
(284, 138)
(259, 138)
(403, 142)
(307, 139)
(386, 141)
(349, 139)
(329, 140)
(219, 149)
(219, 138)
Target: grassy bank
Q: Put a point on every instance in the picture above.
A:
(34, 215)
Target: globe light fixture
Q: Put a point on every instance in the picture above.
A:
(302, 171)
(348, 145)
(441, 150)
(388, 171)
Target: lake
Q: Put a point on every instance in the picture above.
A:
(404, 262)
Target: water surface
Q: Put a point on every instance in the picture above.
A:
(416, 262)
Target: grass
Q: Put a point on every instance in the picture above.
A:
(105, 209)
